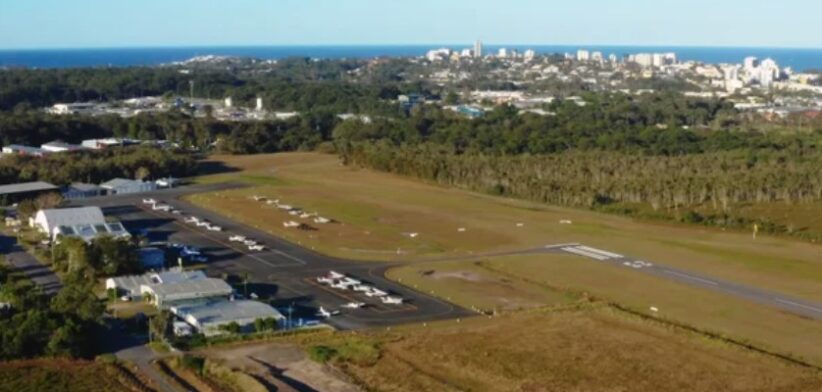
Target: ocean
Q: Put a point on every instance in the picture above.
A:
(798, 59)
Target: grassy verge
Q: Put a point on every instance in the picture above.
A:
(508, 281)
(66, 376)
(592, 349)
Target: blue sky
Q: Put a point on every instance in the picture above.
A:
(121, 23)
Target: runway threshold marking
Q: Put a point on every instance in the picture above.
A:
(792, 303)
(694, 278)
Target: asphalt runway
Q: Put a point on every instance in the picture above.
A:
(793, 305)
(285, 272)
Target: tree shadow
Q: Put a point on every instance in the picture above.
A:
(214, 167)
(280, 375)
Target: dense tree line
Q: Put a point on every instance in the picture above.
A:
(36, 325)
(652, 125)
(586, 179)
(292, 84)
(97, 166)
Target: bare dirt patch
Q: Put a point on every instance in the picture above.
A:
(285, 366)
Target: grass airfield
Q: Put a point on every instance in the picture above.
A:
(535, 296)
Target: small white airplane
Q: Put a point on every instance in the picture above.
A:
(338, 284)
(249, 242)
(214, 228)
(294, 212)
(335, 275)
(203, 223)
(326, 313)
(191, 219)
(325, 279)
(237, 238)
(354, 305)
(391, 300)
(291, 224)
(258, 198)
(376, 293)
(257, 248)
(163, 207)
(149, 201)
(413, 235)
(321, 220)
(362, 287)
(176, 212)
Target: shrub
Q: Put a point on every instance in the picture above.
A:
(321, 354)
(193, 363)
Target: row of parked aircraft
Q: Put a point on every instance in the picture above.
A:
(342, 282)
(196, 221)
(293, 211)
(251, 244)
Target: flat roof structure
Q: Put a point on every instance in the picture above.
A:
(163, 294)
(132, 283)
(208, 317)
(26, 187)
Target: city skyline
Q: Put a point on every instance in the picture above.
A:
(40, 24)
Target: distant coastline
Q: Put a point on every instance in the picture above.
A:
(798, 59)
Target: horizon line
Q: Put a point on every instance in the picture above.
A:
(375, 45)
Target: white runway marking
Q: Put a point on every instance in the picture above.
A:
(288, 256)
(694, 278)
(580, 252)
(601, 252)
(561, 245)
(813, 308)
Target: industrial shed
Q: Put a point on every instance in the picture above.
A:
(123, 186)
(167, 294)
(82, 191)
(208, 317)
(13, 193)
(152, 258)
(130, 285)
(85, 222)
